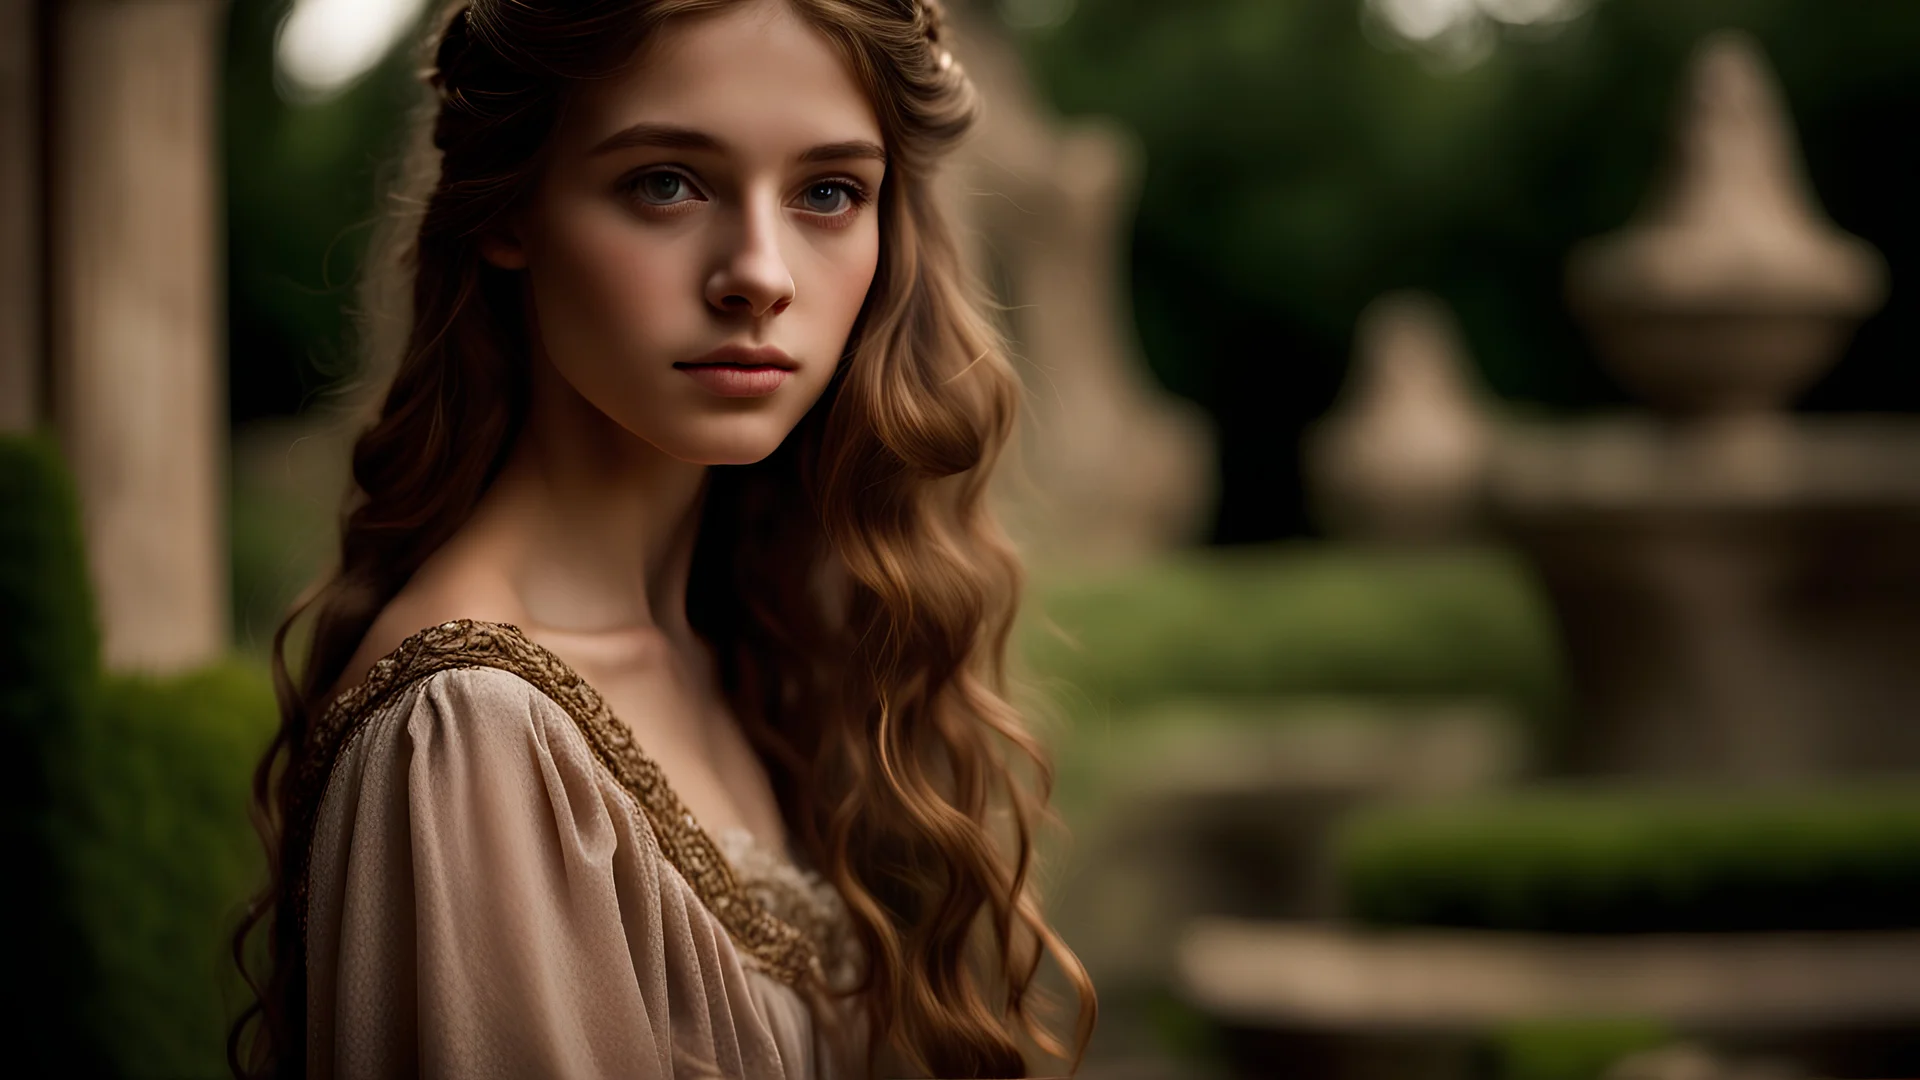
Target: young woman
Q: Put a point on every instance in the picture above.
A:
(651, 724)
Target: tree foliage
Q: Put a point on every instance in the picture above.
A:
(1300, 164)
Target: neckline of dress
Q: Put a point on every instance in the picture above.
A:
(779, 947)
(751, 840)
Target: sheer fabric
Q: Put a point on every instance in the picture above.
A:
(486, 897)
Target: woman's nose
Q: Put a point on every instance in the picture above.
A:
(752, 278)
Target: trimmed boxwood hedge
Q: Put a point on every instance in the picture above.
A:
(125, 809)
(49, 654)
(1296, 619)
(49, 647)
(159, 858)
(1627, 861)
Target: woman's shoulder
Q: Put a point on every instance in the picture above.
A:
(500, 709)
(501, 703)
(460, 666)
(471, 844)
(424, 604)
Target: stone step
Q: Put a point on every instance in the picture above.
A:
(1266, 974)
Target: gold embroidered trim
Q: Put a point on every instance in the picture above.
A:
(799, 897)
(780, 948)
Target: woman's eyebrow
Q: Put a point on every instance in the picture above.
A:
(674, 137)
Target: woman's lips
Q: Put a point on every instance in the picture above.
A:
(734, 380)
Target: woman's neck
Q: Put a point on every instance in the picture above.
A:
(593, 528)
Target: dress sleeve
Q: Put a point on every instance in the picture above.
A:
(486, 901)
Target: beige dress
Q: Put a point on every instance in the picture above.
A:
(500, 884)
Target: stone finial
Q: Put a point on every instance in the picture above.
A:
(1733, 290)
(1403, 454)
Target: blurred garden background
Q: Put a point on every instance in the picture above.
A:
(1440, 685)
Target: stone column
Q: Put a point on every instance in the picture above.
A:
(20, 217)
(135, 332)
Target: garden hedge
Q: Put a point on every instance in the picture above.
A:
(1626, 861)
(1297, 619)
(49, 647)
(160, 859)
(49, 656)
(125, 802)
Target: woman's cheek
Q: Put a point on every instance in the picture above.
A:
(618, 291)
(855, 278)
(625, 270)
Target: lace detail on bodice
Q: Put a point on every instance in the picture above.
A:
(797, 896)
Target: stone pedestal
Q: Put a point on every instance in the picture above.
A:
(135, 329)
(1435, 979)
(1715, 624)
(1738, 587)
(1338, 1003)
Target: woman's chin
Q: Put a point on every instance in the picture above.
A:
(750, 444)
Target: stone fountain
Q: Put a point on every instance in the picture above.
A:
(1738, 586)
(1738, 594)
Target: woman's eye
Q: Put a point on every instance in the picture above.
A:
(661, 188)
(829, 197)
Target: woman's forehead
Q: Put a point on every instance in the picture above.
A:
(752, 79)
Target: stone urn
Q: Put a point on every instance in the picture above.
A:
(1737, 587)
(1731, 292)
(1402, 455)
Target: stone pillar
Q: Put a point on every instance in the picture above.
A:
(21, 359)
(135, 332)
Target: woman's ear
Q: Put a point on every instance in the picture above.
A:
(502, 247)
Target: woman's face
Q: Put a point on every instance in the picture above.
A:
(720, 194)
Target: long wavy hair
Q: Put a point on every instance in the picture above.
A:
(855, 588)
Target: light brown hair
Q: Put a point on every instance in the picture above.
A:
(855, 588)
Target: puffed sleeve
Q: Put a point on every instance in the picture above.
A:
(486, 901)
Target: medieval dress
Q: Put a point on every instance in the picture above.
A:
(499, 883)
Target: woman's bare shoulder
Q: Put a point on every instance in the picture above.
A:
(422, 604)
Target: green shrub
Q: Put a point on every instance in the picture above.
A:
(1634, 861)
(49, 648)
(125, 810)
(160, 856)
(1570, 1049)
(49, 657)
(1298, 619)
